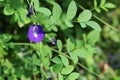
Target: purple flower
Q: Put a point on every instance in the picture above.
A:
(35, 33)
(30, 12)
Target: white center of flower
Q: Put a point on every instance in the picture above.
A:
(35, 35)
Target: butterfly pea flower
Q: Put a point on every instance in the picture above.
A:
(35, 33)
(30, 11)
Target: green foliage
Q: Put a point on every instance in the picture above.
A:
(44, 10)
(56, 12)
(59, 45)
(79, 46)
(64, 60)
(73, 76)
(67, 70)
(93, 37)
(70, 44)
(93, 25)
(84, 16)
(8, 10)
(72, 10)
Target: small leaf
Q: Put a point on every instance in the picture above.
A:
(95, 3)
(93, 37)
(36, 61)
(84, 16)
(56, 60)
(94, 25)
(11, 45)
(83, 53)
(45, 11)
(67, 70)
(83, 25)
(57, 11)
(21, 17)
(109, 5)
(102, 2)
(72, 10)
(73, 76)
(74, 57)
(98, 10)
(68, 23)
(64, 60)
(8, 10)
(70, 44)
(60, 77)
(59, 45)
(57, 68)
(36, 4)
(104, 8)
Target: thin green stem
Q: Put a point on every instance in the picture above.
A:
(105, 23)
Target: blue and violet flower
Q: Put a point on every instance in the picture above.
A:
(36, 33)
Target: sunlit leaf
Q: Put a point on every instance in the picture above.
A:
(65, 60)
(84, 16)
(72, 10)
(93, 37)
(56, 12)
(59, 45)
(109, 5)
(73, 76)
(94, 25)
(8, 10)
(67, 70)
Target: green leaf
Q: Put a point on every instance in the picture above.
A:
(44, 10)
(36, 61)
(94, 25)
(13, 77)
(5, 38)
(102, 2)
(70, 44)
(57, 11)
(73, 76)
(67, 70)
(57, 68)
(59, 45)
(11, 45)
(83, 25)
(95, 3)
(83, 53)
(93, 37)
(104, 8)
(21, 17)
(109, 5)
(56, 60)
(60, 77)
(84, 16)
(72, 10)
(64, 60)
(36, 4)
(8, 10)
(68, 23)
(98, 10)
(2, 52)
(74, 57)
